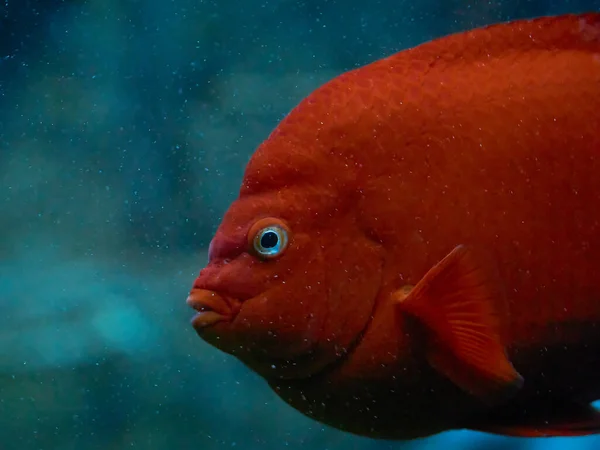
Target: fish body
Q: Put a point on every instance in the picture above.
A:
(416, 246)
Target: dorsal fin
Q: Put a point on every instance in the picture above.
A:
(566, 32)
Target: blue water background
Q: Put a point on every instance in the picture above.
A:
(125, 126)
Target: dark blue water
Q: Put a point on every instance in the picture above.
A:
(124, 129)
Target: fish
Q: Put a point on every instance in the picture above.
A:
(415, 247)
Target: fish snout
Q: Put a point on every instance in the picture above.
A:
(211, 308)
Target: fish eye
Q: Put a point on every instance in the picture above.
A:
(268, 238)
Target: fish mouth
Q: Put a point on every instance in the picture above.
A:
(211, 308)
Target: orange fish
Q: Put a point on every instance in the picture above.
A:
(416, 246)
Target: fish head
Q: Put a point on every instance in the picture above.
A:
(290, 284)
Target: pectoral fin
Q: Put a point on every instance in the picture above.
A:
(455, 303)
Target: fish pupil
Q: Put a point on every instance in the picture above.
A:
(269, 239)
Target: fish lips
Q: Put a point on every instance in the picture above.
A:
(211, 308)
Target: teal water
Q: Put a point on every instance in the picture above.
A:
(124, 130)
